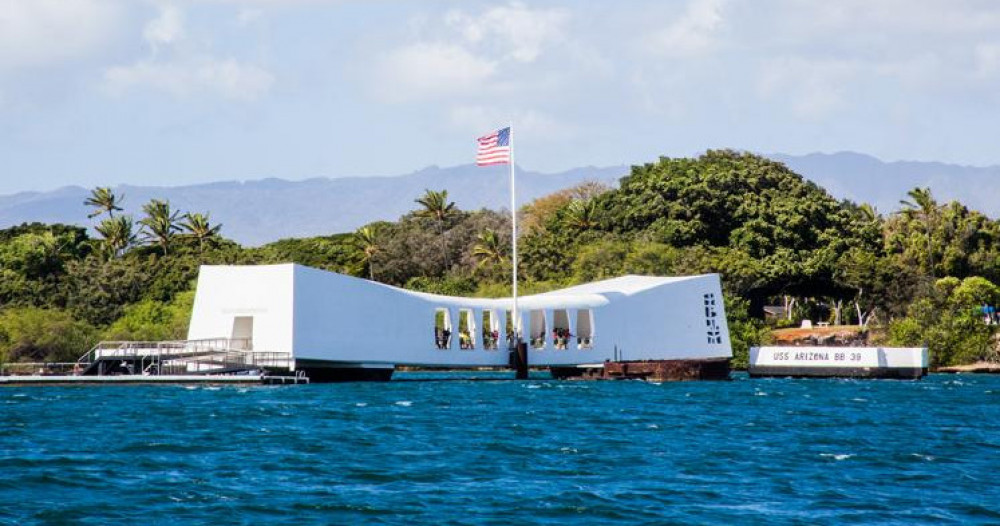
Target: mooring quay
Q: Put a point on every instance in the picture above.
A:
(242, 379)
(841, 362)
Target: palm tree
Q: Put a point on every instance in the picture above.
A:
(921, 200)
(436, 206)
(118, 235)
(160, 223)
(199, 227)
(923, 205)
(367, 240)
(868, 212)
(488, 250)
(580, 215)
(104, 200)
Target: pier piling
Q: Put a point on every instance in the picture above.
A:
(519, 361)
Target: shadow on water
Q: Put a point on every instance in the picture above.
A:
(466, 376)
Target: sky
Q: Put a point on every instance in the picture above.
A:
(161, 92)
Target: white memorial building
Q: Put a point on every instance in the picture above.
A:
(337, 327)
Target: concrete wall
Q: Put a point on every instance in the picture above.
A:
(263, 292)
(340, 318)
(331, 317)
(662, 323)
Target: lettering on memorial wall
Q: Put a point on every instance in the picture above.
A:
(711, 319)
(810, 356)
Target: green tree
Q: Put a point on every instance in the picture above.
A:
(97, 289)
(160, 223)
(33, 265)
(949, 321)
(581, 215)
(601, 260)
(199, 227)
(367, 240)
(744, 331)
(922, 205)
(118, 235)
(488, 250)
(337, 253)
(104, 201)
(33, 334)
(780, 232)
(448, 286)
(151, 320)
(436, 206)
(652, 259)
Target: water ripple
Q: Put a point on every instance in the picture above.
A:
(499, 452)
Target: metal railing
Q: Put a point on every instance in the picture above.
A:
(209, 356)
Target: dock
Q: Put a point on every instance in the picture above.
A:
(838, 362)
(649, 370)
(206, 362)
(243, 379)
(975, 368)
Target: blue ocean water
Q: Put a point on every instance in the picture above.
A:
(501, 452)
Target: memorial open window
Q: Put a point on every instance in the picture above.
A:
(537, 329)
(491, 330)
(584, 329)
(511, 328)
(560, 329)
(442, 328)
(466, 329)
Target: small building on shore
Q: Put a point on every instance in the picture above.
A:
(337, 327)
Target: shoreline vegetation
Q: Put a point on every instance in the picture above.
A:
(787, 251)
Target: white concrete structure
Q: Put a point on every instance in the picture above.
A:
(324, 319)
(876, 362)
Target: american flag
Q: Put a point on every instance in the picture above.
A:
(494, 148)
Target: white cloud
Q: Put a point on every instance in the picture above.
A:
(523, 32)
(467, 53)
(850, 18)
(227, 78)
(818, 60)
(182, 70)
(270, 3)
(693, 34)
(426, 70)
(165, 29)
(987, 57)
(817, 88)
(812, 88)
(248, 16)
(530, 123)
(35, 32)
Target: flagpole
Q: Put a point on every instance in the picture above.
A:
(513, 224)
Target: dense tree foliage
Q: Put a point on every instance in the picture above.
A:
(922, 274)
(950, 322)
(33, 334)
(151, 320)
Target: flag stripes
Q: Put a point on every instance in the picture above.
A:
(494, 148)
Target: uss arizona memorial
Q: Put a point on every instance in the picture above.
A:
(336, 327)
(278, 323)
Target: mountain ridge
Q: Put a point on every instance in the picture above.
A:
(258, 211)
(865, 178)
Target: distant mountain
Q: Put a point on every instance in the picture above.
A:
(863, 178)
(258, 212)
